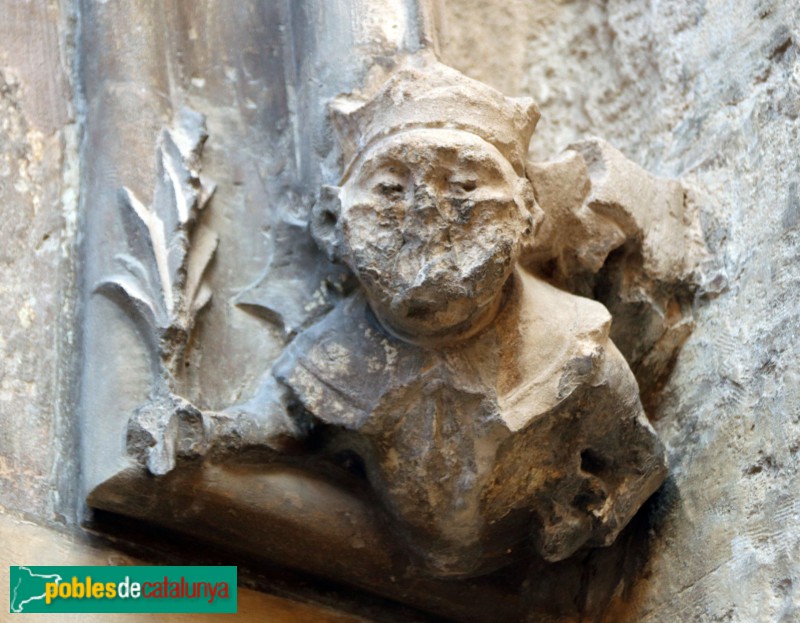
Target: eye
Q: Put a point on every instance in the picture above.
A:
(391, 190)
(463, 186)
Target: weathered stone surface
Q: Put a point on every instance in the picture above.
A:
(487, 409)
(160, 281)
(632, 241)
(704, 92)
(261, 74)
(474, 447)
(38, 197)
(327, 524)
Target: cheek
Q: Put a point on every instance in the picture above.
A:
(494, 227)
(501, 210)
(372, 235)
(488, 247)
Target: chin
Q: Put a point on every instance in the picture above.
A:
(436, 312)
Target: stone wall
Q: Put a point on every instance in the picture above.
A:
(708, 92)
(38, 204)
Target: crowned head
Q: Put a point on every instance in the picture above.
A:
(433, 202)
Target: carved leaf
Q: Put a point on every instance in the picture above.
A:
(144, 280)
(161, 278)
(175, 180)
(169, 251)
(131, 288)
(296, 288)
(202, 299)
(207, 189)
(136, 269)
(203, 248)
(155, 230)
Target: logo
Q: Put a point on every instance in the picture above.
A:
(123, 589)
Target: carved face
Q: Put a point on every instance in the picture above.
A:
(431, 223)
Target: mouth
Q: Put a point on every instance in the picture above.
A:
(419, 310)
(420, 302)
(431, 315)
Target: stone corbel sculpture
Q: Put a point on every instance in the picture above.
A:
(468, 383)
(489, 407)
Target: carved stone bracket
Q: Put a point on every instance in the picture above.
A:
(451, 392)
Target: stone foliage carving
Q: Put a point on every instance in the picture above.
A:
(161, 282)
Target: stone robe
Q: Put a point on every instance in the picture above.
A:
(531, 429)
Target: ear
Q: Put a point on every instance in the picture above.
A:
(324, 224)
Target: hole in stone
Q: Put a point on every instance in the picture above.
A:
(328, 219)
(549, 270)
(592, 462)
(352, 462)
(589, 498)
(419, 310)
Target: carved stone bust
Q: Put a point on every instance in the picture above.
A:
(489, 409)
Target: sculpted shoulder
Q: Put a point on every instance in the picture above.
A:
(340, 367)
(560, 342)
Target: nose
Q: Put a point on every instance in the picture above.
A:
(424, 196)
(429, 203)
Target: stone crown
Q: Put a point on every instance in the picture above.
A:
(432, 95)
